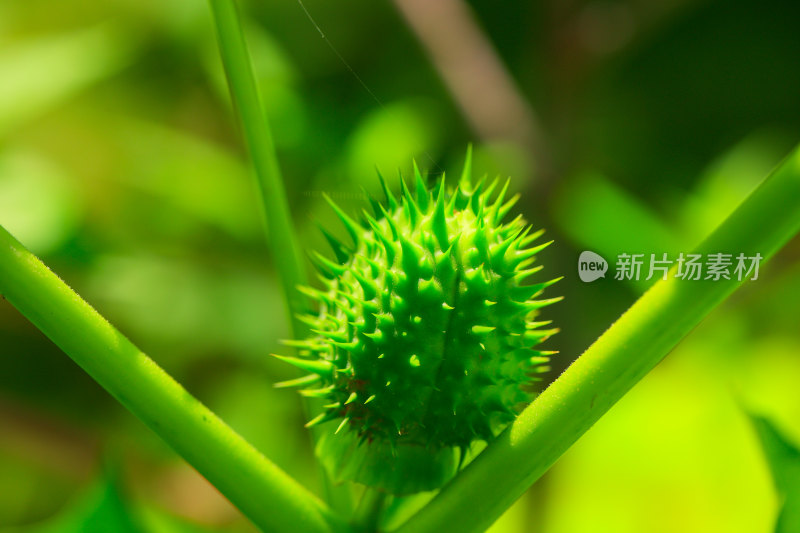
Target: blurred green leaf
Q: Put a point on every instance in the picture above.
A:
(784, 461)
(388, 138)
(194, 175)
(100, 510)
(40, 73)
(597, 213)
(500, 159)
(157, 521)
(104, 508)
(29, 489)
(189, 307)
(38, 203)
(728, 180)
(600, 216)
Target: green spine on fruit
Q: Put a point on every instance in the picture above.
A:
(425, 338)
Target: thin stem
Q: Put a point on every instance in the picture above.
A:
(282, 240)
(257, 136)
(367, 516)
(621, 357)
(262, 491)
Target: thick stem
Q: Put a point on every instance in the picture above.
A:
(263, 492)
(621, 357)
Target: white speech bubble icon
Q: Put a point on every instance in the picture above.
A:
(591, 266)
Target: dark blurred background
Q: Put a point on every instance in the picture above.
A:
(626, 126)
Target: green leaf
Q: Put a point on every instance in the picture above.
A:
(38, 201)
(158, 521)
(104, 508)
(389, 138)
(44, 71)
(783, 457)
(598, 215)
(194, 176)
(99, 510)
(727, 181)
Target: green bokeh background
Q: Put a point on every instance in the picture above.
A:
(122, 168)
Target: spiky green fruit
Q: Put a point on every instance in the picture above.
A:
(425, 339)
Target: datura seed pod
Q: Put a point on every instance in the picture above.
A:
(425, 338)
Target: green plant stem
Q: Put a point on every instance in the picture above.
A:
(282, 240)
(258, 137)
(263, 492)
(621, 357)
